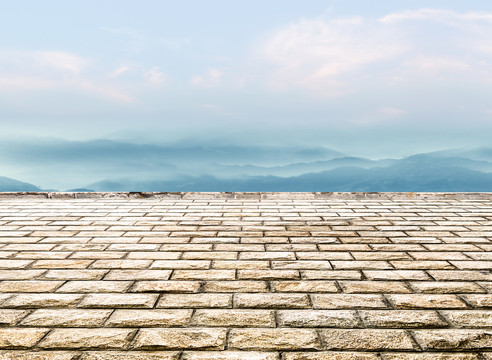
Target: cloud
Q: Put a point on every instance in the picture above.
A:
(22, 71)
(210, 79)
(446, 16)
(154, 76)
(119, 71)
(322, 55)
(332, 57)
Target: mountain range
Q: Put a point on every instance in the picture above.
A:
(105, 165)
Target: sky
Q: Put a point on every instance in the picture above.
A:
(376, 78)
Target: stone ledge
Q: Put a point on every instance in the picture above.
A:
(252, 195)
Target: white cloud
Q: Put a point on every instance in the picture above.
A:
(210, 79)
(22, 71)
(333, 57)
(154, 76)
(441, 15)
(119, 71)
(325, 55)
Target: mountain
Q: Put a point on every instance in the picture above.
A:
(415, 173)
(8, 184)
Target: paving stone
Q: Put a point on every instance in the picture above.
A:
(229, 355)
(415, 301)
(401, 318)
(87, 339)
(167, 286)
(129, 355)
(66, 318)
(430, 356)
(38, 355)
(313, 286)
(42, 300)
(273, 339)
(149, 318)
(18, 338)
(203, 300)
(9, 317)
(234, 318)
(246, 276)
(469, 318)
(348, 301)
(190, 338)
(366, 339)
(29, 286)
(325, 355)
(94, 286)
(118, 300)
(451, 339)
(269, 301)
(318, 318)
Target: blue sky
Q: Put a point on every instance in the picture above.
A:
(379, 78)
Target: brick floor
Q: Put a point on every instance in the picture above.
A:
(246, 276)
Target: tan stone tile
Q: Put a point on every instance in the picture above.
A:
(9, 317)
(66, 318)
(348, 301)
(236, 286)
(324, 355)
(204, 275)
(430, 356)
(273, 339)
(94, 286)
(37, 355)
(452, 339)
(318, 318)
(366, 339)
(174, 286)
(61, 264)
(87, 339)
(468, 318)
(202, 300)
(312, 286)
(29, 286)
(190, 338)
(118, 300)
(229, 355)
(374, 287)
(129, 355)
(401, 318)
(234, 318)
(271, 300)
(42, 300)
(18, 338)
(149, 318)
(415, 301)
(138, 275)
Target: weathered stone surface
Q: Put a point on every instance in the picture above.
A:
(38, 355)
(87, 339)
(190, 338)
(14, 338)
(401, 318)
(451, 339)
(318, 318)
(129, 355)
(245, 276)
(273, 339)
(149, 318)
(229, 355)
(235, 318)
(325, 355)
(366, 339)
(66, 318)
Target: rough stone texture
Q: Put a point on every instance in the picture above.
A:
(236, 276)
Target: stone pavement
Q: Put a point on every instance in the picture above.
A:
(238, 276)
